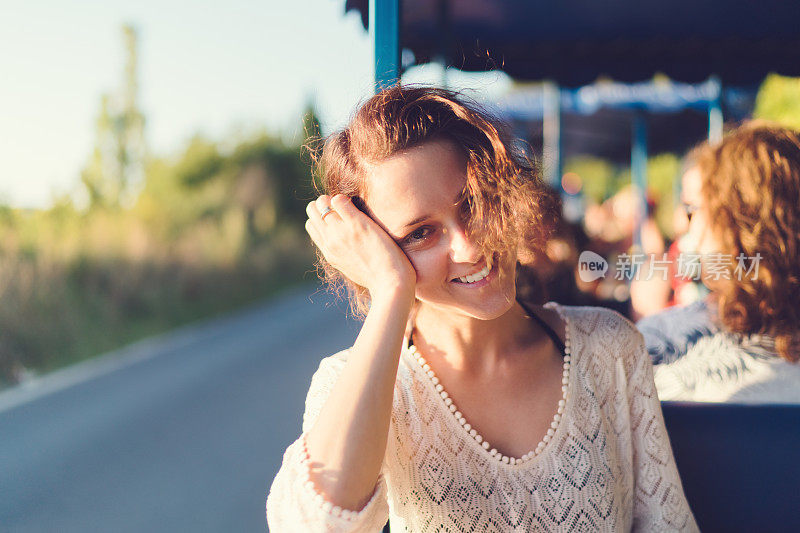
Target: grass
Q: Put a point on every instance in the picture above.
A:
(56, 312)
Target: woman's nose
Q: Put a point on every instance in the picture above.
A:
(462, 248)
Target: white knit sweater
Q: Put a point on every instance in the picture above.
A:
(607, 467)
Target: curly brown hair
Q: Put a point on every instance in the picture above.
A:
(751, 188)
(510, 206)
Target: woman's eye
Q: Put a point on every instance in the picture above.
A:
(417, 235)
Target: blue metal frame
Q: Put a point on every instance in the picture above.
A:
(384, 24)
(715, 119)
(639, 173)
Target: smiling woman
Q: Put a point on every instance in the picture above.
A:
(461, 407)
(431, 225)
(504, 205)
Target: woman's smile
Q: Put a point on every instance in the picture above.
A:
(478, 279)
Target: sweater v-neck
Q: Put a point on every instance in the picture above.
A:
(435, 389)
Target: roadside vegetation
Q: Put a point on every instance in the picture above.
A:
(211, 229)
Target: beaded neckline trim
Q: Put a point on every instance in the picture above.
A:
(554, 424)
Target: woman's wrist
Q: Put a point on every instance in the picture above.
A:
(392, 295)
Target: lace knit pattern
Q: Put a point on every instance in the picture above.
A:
(608, 466)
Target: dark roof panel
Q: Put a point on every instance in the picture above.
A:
(574, 42)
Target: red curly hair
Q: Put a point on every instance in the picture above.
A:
(509, 205)
(751, 188)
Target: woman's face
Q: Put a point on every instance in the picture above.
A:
(705, 241)
(702, 236)
(414, 197)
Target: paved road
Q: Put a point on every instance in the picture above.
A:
(179, 433)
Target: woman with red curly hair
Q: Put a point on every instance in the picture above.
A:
(461, 407)
(748, 229)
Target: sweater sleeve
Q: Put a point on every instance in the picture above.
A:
(659, 501)
(294, 503)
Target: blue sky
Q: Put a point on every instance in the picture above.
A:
(207, 67)
(210, 67)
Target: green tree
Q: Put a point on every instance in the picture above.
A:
(115, 171)
(778, 100)
(262, 179)
(597, 175)
(312, 142)
(183, 190)
(285, 179)
(312, 130)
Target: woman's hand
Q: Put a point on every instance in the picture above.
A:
(359, 248)
(347, 441)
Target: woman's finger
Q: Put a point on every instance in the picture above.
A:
(311, 210)
(344, 207)
(326, 211)
(316, 208)
(312, 232)
(316, 237)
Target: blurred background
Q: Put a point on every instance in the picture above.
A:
(153, 177)
(152, 171)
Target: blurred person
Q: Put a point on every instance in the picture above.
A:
(686, 286)
(556, 269)
(609, 227)
(747, 222)
(595, 218)
(650, 288)
(687, 316)
(461, 406)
